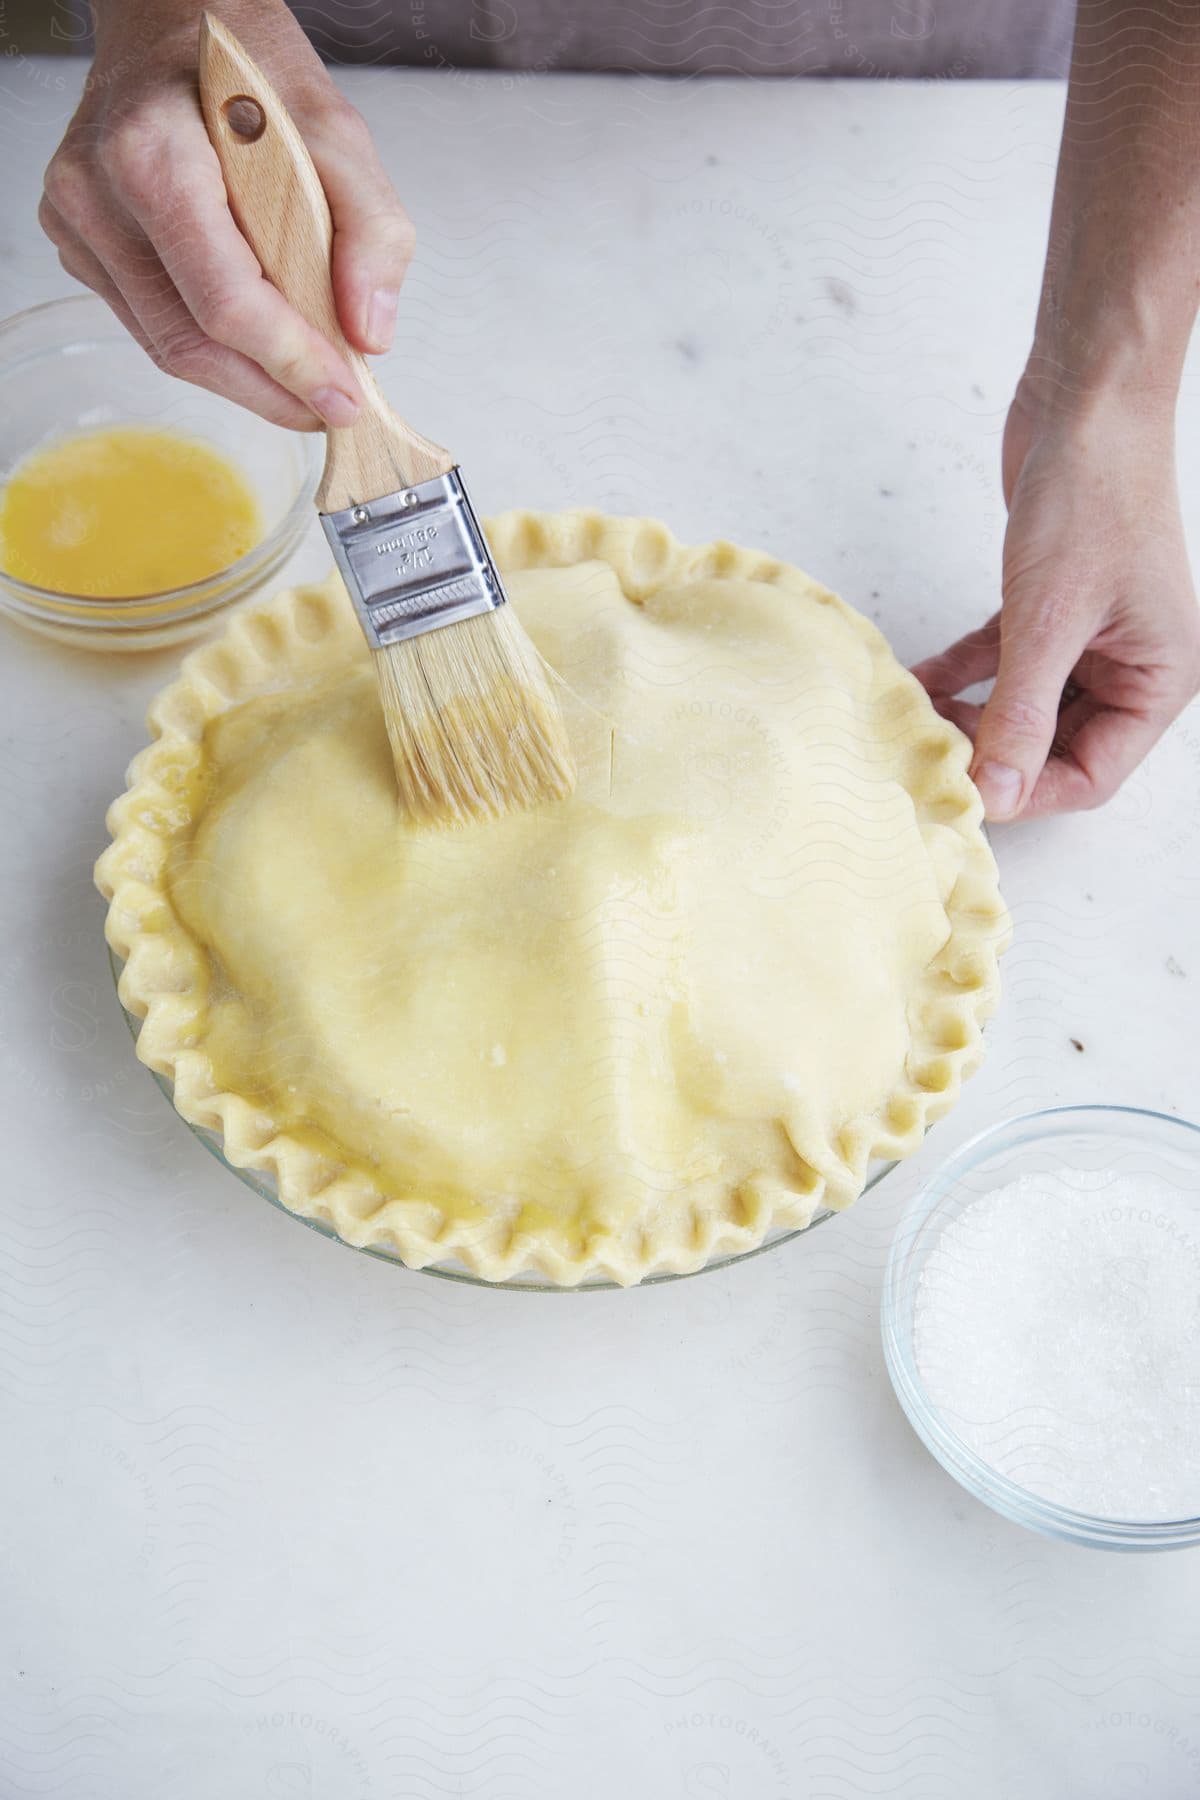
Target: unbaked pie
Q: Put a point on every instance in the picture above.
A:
(627, 1033)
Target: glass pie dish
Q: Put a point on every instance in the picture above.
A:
(262, 1185)
(656, 1026)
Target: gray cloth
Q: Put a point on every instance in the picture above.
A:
(873, 38)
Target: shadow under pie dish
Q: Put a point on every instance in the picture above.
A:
(628, 1034)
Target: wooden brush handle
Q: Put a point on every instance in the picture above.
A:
(275, 194)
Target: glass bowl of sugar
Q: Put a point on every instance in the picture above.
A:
(1041, 1323)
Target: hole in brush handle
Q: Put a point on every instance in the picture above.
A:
(245, 118)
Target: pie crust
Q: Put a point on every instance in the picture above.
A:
(623, 1035)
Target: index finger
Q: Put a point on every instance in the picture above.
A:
(972, 658)
(172, 186)
(1089, 770)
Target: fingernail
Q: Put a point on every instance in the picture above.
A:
(381, 316)
(1000, 787)
(335, 407)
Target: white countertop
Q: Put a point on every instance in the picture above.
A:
(277, 1519)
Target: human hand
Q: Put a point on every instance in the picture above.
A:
(1096, 648)
(135, 203)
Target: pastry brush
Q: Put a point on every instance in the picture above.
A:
(474, 725)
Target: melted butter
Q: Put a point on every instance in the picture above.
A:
(123, 513)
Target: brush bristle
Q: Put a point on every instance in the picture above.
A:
(474, 726)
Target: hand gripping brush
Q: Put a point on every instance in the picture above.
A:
(474, 726)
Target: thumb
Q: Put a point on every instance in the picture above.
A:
(372, 234)
(1016, 729)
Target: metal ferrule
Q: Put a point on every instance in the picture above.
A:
(414, 560)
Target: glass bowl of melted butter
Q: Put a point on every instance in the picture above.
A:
(133, 507)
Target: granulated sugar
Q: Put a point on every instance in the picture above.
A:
(1057, 1330)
